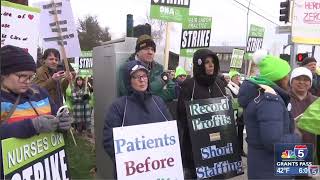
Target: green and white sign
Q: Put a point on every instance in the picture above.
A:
(39, 157)
(255, 38)
(237, 58)
(169, 10)
(196, 32)
(85, 63)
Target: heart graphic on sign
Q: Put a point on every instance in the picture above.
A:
(30, 16)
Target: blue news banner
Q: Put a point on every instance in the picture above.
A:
(294, 160)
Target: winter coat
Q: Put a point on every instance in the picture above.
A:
(19, 125)
(315, 89)
(267, 122)
(157, 85)
(140, 109)
(56, 89)
(217, 89)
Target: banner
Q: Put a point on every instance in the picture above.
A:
(49, 27)
(306, 22)
(255, 38)
(196, 32)
(171, 11)
(148, 151)
(39, 157)
(20, 26)
(237, 58)
(214, 138)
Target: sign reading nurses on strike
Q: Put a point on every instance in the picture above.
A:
(39, 157)
(148, 151)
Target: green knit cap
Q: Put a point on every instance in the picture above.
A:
(271, 67)
(233, 73)
(180, 71)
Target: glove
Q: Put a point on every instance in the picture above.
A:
(85, 97)
(165, 77)
(64, 122)
(45, 123)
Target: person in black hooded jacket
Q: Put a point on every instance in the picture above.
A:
(205, 84)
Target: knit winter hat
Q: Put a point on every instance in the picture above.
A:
(308, 60)
(15, 59)
(233, 73)
(301, 71)
(180, 71)
(271, 67)
(145, 41)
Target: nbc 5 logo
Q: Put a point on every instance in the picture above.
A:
(314, 170)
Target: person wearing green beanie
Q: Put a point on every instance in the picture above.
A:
(180, 75)
(266, 105)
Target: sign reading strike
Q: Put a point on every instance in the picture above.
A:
(255, 38)
(237, 58)
(170, 10)
(62, 11)
(306, 22)
(214, 138)
(196, 31)
(148, 151)
(85, 61)
(38, 157)
(20, 26)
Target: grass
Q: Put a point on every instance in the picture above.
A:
(81, 158)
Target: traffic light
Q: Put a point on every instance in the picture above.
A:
(284, 11)
(300, 57)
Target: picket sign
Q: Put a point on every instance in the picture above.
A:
(148, 151)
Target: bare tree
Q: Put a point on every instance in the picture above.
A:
(158, 29)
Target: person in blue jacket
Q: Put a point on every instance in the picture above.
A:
(267, 116)
(26, 109)
(139, 107)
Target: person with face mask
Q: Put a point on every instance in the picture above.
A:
(138, 107)
(161, 83)
(50, 77)
(205, 84)
(26, 109)
(267, 116)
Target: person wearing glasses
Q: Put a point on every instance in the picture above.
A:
(139, 107)
(26, 109)
(50, 77)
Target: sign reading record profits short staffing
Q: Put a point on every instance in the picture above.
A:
(196, 31)
(148, 151)
(170, 10)
(214, 138)
(39, 157)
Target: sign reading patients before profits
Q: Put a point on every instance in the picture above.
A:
(170, 11)
(39, 157)
(20, 26)
(148, 151)
(196, 32)
(49, 30)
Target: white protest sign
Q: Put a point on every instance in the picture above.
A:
(237, 58)
(20, 26)
(49, 29)
(306, 22)
(148, 151)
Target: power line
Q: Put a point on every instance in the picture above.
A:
(256, 13)
(265, 12)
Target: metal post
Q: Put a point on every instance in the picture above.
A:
(293, 52)
(313, 49)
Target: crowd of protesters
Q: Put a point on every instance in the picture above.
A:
(268, 105)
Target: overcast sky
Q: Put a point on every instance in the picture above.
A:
(228, 19)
